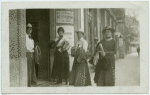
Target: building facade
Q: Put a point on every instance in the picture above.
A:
(45, 23)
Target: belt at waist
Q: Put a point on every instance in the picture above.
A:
(30, 52)
(58, 47)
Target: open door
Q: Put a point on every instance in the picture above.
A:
(39, 18)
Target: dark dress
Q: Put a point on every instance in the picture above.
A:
(106, 77)
(80, 72)
(61, 65)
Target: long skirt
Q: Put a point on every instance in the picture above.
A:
(31, 69)
(61, 65)
(80, 75)
(36, 68)
(105, 78)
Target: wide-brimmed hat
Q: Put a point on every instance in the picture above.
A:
(108, 28)
(29, 25)
(80, 30)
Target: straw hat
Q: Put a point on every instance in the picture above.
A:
(80, 30)
(108, 28)
(29, 25)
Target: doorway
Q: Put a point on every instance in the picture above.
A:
(39, 18)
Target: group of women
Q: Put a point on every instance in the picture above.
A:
(79, 75)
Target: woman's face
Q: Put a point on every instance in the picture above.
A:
(108, 33)
(29, 31)
(80, 35)
(60, 33)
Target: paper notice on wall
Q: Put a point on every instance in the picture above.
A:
(69, 33)
(120, 42)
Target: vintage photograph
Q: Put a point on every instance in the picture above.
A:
(74, 47)
(62, 51)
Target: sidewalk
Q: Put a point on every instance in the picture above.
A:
(128, 71)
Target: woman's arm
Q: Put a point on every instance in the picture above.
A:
(97, 49)
(53, 44)
(95, 52)
(39, 50)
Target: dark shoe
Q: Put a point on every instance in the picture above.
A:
(34, 83)
(66, 82)
(59, 82)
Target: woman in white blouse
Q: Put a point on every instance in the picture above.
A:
(30, 56)
(60, 68)
(80, 72)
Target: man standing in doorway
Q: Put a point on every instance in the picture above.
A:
(30, 56)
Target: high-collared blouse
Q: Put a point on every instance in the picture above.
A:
(29, 44)
(61, 41)
(82, 43)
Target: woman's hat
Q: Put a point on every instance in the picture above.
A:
(108, 28)
(29, 25)
(80, 30)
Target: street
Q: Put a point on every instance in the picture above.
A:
(127, 72)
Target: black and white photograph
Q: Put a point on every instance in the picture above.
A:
(102, 47)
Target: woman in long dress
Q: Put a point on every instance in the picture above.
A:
(60, 68)
(80, 73)
(103, 76)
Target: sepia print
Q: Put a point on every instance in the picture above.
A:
(75, 47)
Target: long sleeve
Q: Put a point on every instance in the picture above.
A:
(29, 44)
(85, 45)
(114, 50)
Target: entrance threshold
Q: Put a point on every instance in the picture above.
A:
(40, 82)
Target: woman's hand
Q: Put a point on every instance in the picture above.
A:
(60, 37)
(103, 53)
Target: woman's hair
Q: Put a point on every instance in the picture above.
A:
(28, 28)
(60, 29)
(36, 41)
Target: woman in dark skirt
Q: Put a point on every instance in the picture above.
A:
(80, 72)
(105, 68)
(61, 58)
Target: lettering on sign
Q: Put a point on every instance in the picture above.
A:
(64, 17)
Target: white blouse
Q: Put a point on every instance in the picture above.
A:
(82, 43)
(61, 41)
(29, 44)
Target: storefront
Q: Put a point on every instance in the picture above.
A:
(45, 23)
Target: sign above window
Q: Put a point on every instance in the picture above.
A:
(65, 17)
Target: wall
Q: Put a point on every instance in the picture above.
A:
(102, 15)
(17, 48)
